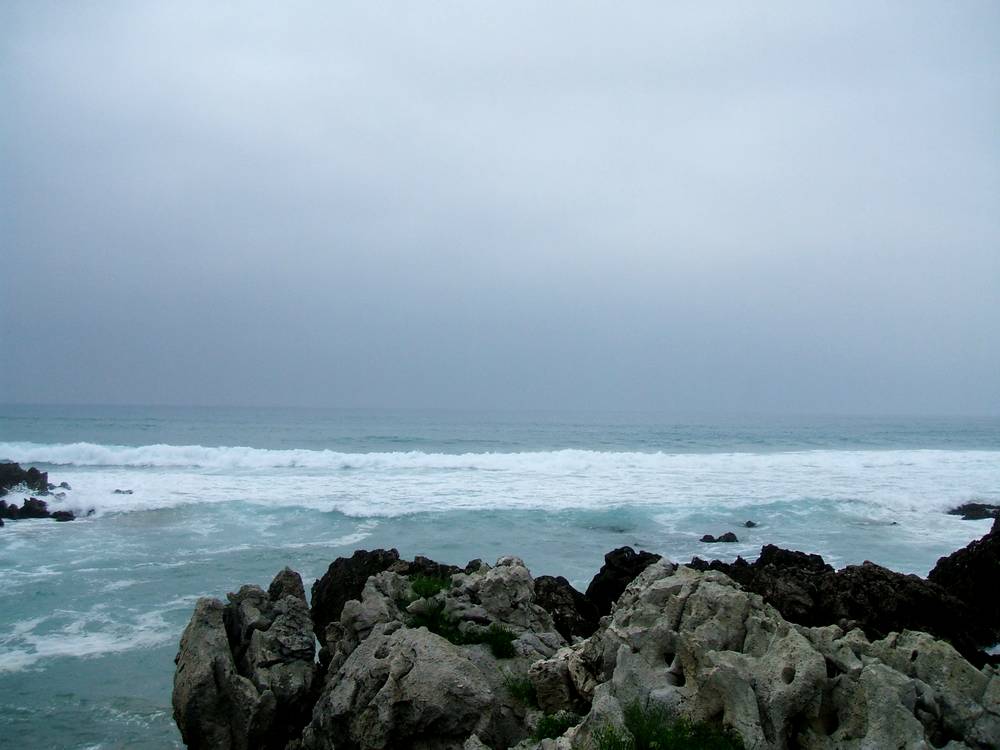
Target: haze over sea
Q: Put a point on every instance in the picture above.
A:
(91, 611)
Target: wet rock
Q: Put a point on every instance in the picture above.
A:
(972, 574)
(62, 515)
(573, 613)
(64, 486)
(34, 508)
(976, 511)
(12, 475)
(344, 580)
(122, 492)
(620, 568)
(10, 511)
(750, 524)
(728, 537)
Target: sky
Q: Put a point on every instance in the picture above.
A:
(723, 207)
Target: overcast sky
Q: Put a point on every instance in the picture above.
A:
(789, 207)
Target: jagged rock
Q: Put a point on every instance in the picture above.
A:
(34, 508)
(620, 568)
(12, 475)
(807, 591)
(214, 707)
(976, 511)
(699, 646)
(9, 511)
(972, 574)
(344, 580)
(573, 613)
(267, 670)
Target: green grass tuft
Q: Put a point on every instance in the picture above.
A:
(521, 689)
(499, 638)
(428, 586)
(551, 726)
(650, 728)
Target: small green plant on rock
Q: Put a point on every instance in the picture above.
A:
(498, 637)
(650, 728)
(551, 726)
(521, 689)
(428, 586)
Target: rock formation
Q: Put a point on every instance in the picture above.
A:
(807, 591)
(425, 656)
(12, 475)
(245, 670)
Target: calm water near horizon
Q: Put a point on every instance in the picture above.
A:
(91, 611)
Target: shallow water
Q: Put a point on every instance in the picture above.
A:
(91, 611)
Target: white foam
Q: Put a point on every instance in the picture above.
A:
(88, 634)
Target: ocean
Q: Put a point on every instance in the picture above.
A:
(211, 498)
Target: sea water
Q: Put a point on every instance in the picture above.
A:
(91, 611)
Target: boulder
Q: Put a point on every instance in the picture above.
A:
(750, 524)
(728, 537)
(62, 515)
(972, 574)
(402, 688)
(620, 568)
(344, 580)
(573, 613)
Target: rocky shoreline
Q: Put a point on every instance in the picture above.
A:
(782, 653)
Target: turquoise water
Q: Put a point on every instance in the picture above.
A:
(91, 611)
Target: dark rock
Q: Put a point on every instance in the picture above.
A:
(122, 492)
(809, 592)
(12, 475)
(63, 515)
(424, 566)
(1, 522)
(34, 508)
(573, 613)
(64, 486)
(620, 568)
(9, 511)
(344, 580)
(972, 574)
(728, 537)
(286, 583)
(976, 511)
(750, 524)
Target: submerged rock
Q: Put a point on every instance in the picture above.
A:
(729, 537)
(620, 568)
